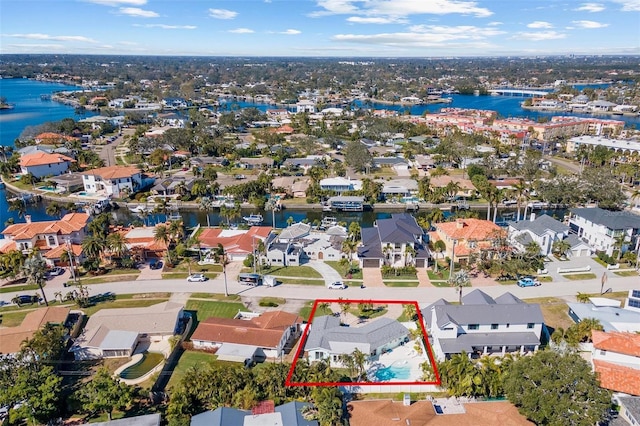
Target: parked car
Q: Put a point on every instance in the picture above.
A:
(338, 285)
(54, 272)
(196, 278)
(25, 298)
(155, 264)
(528, 282)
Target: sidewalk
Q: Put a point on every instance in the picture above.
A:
(423, 278)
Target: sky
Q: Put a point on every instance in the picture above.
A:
(321, 28)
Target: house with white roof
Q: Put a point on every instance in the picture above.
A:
(306, 105)
(545, 230)
(601, 228)
(482, 325)
(608, 312)
(340, 184)
(327, 339)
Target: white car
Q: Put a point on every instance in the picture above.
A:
(197, 278)
(338, 285)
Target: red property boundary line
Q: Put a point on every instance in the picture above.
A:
(305, 334)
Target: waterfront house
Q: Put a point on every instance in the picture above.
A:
(115, 333)
(142, 243)
(237, 243)
(264, 414)
(616, 361)
(399, 188)
(482, 325)
(465, 236)
(42, 164)
(114, 181)
(545, 230)
(346, 203)
(328, 339)
(173, 185)
(397, 241)
(601, 228)
(284, 254)
(12, 338)
(248, 335)
(306, 105)
(302, 163)
(339, 184)
(52, 237)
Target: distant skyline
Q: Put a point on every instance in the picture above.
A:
(340, 28)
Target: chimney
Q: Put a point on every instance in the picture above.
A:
(27, 217)
(532, 217)
(459, 223)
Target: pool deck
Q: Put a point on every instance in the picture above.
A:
(405, 354)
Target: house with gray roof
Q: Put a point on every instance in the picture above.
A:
(544, 230)
(483, 325)
(601, 228)
(289, 414)
(327, 339)
(396, 241)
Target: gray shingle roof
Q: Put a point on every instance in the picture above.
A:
(146, 420)
(291, 413)
(327, 333)
(399, 228)
(632, 404)
(540, 225)
(477, 297)
(489, 314)
(371, 246)
(575, 241)
(221, 416)
(612, 220)
(507, 299)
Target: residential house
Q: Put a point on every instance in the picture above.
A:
(327, 339)
(544, 231)
(381, 412)
(11, 338)
(248, 336)
(303, 163)
(116, 333)
(482, 325)
(340, 184)
(284, 254)
(294, 232)
(173, 185)
(261, 163)
(114, 181)
(629, 409)
(203, 161)
(237, 243)
(399, 188)
(42, 164)
(398, 164)
(397, 241)
(306, 106)
(289, 414)
(609, 313)
(616, 361)
(50, 138)
(52, 237)
(467, 188)
(142, 243)
(326, 246)
(464, 237)
(603, 230)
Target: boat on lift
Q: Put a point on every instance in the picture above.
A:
(254, 219)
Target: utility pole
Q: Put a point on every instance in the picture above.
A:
(453, 255)
(71, 255)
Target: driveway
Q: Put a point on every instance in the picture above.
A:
(329, 275)
(372, 277)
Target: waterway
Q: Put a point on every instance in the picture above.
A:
(31, 110)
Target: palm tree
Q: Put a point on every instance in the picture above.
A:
(290, 220)
(93, 246)
(349, 247)
(18, 206)
(117, 244)
(560, 248)
(221, 257)
(360, 360)
(35, 269)
(439, 246)
(521, 193)
(409, 311)
(161, 233)
(409, 253)
(206, 204)
(53, 210)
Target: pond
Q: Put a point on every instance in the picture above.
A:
(148, 361)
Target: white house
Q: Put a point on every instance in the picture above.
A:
(113, 180)
(306, 106)
(483, 325)
(545, 230)
(601, 228)
(340, 184)
(41, 164)
(327, 339)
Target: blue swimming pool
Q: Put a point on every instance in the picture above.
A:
(398, 371)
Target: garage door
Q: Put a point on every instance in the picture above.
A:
(420, 263)
(371, 263)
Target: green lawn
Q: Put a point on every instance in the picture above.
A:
(12, 319)
(184, 275)
(272, 301)
(18, 287)
(442, 275)
(545, 279)
(109, 278)
(126, 303)
(301, 282)
(374, 313)
(342, 270)
(206, 309)
(187, 360)
(554, 311)
(575, 277)
(215, 296)
(401, 283)
(293, 271)
(184, 267)
(626, 273)
(305, 312)
(440, 283)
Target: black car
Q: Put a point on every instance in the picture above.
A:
(25, 298)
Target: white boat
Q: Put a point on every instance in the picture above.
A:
(254, 219)
(139, 209)
(328, 222)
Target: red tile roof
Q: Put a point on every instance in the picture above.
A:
(264, 331)
(240, 243)
(113, 172)
(468, 229)
(41, 158)
(622, 343)
(56, 252)
(71, 222)
(50, 137)
(618, 378)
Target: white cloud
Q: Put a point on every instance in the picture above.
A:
(140, 13)
(590, 7)
(38, 36)
(376, 20)
(629, 5)
(399, 8)
(540, 36)
(589, 24)
(116, 3)
(167, 27)
(36, 46)
(222, 13)
(495, 23)
(540, 24)
(291, 31)
(242, 31)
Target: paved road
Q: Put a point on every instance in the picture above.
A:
(108, 151)
(569, 165)
(424, 296)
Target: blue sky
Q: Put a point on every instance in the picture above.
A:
(367, 28)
